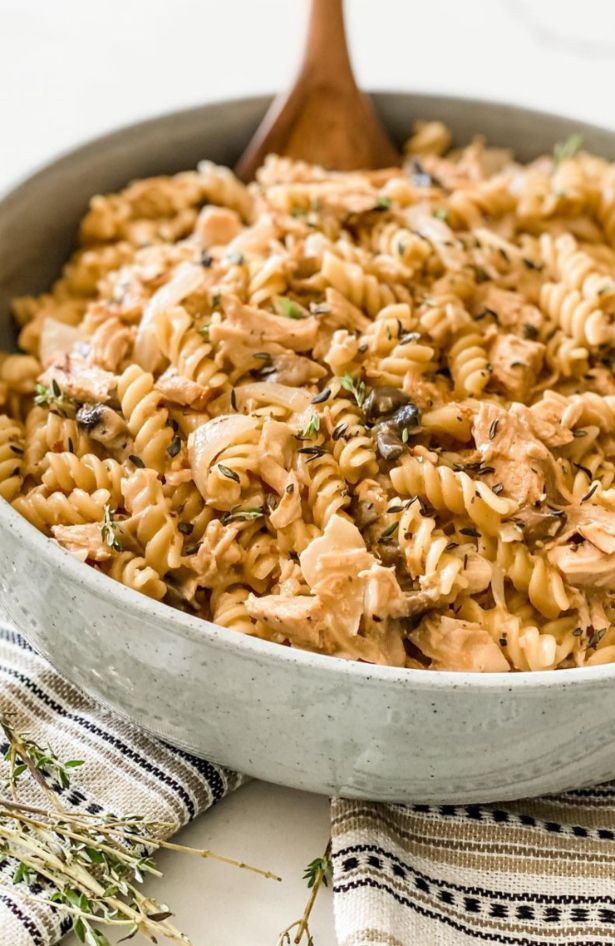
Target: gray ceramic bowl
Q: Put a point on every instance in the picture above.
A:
(299, 719)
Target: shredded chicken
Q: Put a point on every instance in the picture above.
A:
(251, 326)
(175, 387)
(516, 364)
(57, 340)
(85, 541)
(295, 370)
(512, 311)
(521, 462)
(79, 379)
(584, 565)
(452, 644)
(217, 226)
(545, 421)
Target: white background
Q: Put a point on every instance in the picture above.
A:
(70, 69)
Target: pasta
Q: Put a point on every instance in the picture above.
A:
(370, 414)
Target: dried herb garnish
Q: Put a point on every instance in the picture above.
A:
(109, 529)
(311, 452)
(136, 461)
(530, 331)
(596, 636)
(497, 489)
(216, 300)
(486, 312)
(185, 528)
(468, 530)
(579, 433)
(243, 515)
(230, 474)
(54, 398)
(407, 338)
(584, 469)
(339, 431)
(319, 308)
(493, 428)
(175, 446)
(590, 492)
(15, 449)
(322, 397)
(204, 330)
(389, 531)
(233, 399)
(441, 213)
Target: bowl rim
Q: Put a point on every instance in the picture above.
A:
(243, 646)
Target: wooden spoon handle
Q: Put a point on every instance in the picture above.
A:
(324, 118)
(326, 46)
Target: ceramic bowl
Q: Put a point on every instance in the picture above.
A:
(299, 719)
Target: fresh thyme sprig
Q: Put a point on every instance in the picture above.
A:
(24, 755)
(564, 150)
(290, 309)
(109, 529)
(87, 867)
(316, 875)
(311, 428)
(356, 387)
(54, 398)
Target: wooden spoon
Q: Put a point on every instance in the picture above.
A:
(324, 118)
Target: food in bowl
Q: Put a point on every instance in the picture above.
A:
(365, 414)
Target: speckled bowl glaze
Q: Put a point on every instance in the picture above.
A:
(291, 717)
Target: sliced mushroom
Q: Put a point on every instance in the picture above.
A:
(383, 401)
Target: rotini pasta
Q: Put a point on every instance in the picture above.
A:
(369, 414)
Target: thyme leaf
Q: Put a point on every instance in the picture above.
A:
(109, 529)
(356, 387)
(564, 150)
(290, 309)
(316, 875)
(243, 515)
(54, 398)
(311, 428)
(230, 474)
(86, 867)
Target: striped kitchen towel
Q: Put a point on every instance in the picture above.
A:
(532, 873)
(127, 771)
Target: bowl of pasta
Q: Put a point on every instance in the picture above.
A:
(313, 477)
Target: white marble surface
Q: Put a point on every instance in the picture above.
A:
(69, 70)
